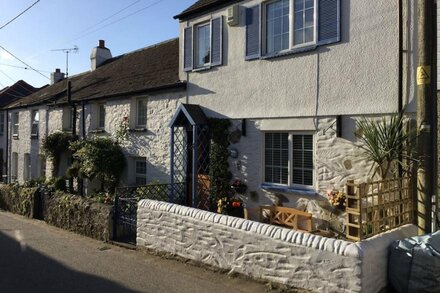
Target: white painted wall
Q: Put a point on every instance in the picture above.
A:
(359, 75)
(267, 252)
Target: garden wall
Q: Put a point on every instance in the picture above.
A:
(79, 215)
(266, 252)
(19, 200)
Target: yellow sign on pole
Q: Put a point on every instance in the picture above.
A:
(423, 75)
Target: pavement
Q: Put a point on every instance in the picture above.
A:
(36, 257)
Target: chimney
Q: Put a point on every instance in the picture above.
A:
(56, 76)
(99, 55)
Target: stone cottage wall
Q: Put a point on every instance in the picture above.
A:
(266, 252)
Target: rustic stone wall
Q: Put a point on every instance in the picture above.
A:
(79, 215)
(264, 251)
(19, 200)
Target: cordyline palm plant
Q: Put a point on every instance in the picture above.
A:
(383, 142)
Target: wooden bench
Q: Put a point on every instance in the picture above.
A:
(287, 217)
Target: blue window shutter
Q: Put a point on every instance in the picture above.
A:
(253, 42)
(217, 41)
(187, 49)
(329, 22)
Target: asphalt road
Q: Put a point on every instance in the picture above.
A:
(36, 257)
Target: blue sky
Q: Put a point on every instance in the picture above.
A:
(56, 24)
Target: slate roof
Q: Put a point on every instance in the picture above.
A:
(203, 6)
(146, 70)
(15, 92)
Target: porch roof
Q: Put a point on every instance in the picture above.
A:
(188, 113)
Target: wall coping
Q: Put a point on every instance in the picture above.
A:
(340, 247)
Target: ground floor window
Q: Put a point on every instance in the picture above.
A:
(141, 171)
(288, 159)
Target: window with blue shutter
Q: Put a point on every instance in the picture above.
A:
(203, 45)
(290, 26)
(187, 49)
(253, 42)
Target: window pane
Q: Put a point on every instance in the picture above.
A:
(277, 26)
(299, 37)
(302, 161)
(299, 20)
(309, 32)
(101, 123)
(299, 5)
(309, 17)
(203, 45)
(309, 3)
(141, 181)
(142, 113)
(276, 158)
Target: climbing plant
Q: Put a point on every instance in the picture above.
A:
(99, 158)
(54, 145)
(219, 173)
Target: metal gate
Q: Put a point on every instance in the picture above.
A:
(126, 201)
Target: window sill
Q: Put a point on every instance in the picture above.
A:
(290, 52)
(287, 189)
(67, 130)
(34, 136)
(204, 68)
(15, 136)
(97, 131)
(140, 129)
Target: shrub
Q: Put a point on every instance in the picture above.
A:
(100, 158)
(54, 145)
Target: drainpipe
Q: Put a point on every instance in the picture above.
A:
(7, 148)
(400, 84)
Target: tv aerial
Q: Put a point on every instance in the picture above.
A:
(67, 51)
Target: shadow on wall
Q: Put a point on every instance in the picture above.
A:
(26, 270)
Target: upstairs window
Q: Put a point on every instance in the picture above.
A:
(15, 123)
(141, 113)
(283, 26)
(35, 122)
(101, 116)
(202, 45)
(68, 114)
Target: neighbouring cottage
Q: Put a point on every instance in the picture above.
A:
(141, 87)
(9, 95)
(293, 77)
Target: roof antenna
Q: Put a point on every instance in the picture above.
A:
(75, 49)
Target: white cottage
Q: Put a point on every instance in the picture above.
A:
(294, 76)
(142, 87)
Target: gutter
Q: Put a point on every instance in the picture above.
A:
(180, 85)
(205, 9)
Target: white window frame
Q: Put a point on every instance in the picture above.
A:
(195, 44)
(35, 122)
(99, 126)
(140, 175)
(292, 46)
(15, 124)
(290, 183)
(137, 116)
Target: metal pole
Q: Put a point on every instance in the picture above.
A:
(172, 163)
(194, 166)
(424, 116)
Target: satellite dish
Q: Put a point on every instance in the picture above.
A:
(234, 136)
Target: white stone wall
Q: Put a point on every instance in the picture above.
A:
(267, 252)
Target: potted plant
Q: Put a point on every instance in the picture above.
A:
(337, 199)
(239, 186)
